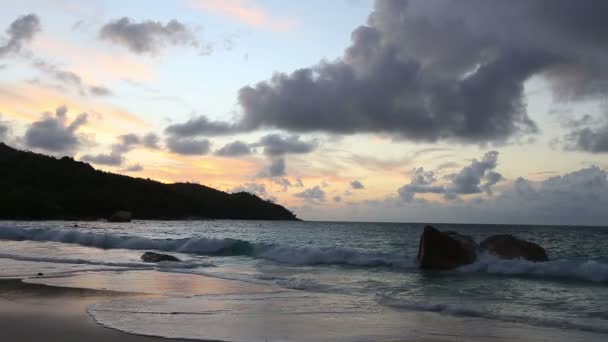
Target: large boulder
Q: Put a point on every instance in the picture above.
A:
(120, 216)
(157, 257)
(509, 247)
(445, 250)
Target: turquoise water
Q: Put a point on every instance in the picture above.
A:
(374, 261)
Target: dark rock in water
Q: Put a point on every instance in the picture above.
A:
(157, 257)
(120, 216)
(510, 247)
(445, 250)
(40, 274)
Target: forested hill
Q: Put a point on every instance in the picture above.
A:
(35, 186)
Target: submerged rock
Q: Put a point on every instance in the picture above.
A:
(510, 247)
(157, 257)
(120, 216)
(445, 250)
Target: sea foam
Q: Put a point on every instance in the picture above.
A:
(464, 311)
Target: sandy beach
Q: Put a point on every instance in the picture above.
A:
(32, 312)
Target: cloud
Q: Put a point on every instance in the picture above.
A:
(134, 168)
(125, 143)
(148, 37)
(475, 178)
(188, 146)
(111, 159)
(245, 11)
(151, 141)
(429, 70)
(21, 31)
(337, 199)
(252, 188)
(201, 126)
(578, 197)
(278, 145)
(234, 149)
(469, 179)
(53, 133)
(312, 194)
(70, 79)
(588, 134)
(357, 185)
(422, 183)
(4, 129)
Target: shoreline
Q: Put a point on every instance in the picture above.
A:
(59, 314)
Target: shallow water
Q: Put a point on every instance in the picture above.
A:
(338, 263)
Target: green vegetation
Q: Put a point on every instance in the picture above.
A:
(34, 186)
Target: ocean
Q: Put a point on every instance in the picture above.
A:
(318, 281)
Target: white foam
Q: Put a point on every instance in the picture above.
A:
(208, 246)
(588, 270)
(464, 311)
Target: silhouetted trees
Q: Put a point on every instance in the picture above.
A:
(35, 186)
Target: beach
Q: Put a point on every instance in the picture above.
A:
(264, 281)
(30, 312)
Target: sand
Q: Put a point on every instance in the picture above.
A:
(31, 312)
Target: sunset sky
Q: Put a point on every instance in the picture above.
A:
(440, 111)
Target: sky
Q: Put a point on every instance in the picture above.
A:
(390, 110)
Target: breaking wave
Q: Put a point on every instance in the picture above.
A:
(463, 311)
(584, 270)
(215, 247)
(588, 270)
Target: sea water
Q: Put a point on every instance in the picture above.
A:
(319, 281)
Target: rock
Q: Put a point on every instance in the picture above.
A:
(510, 247)
(120, 216)
(445, 250)
(157, 257)
(40, 274)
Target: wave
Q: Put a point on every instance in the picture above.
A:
(462, 311)
(123, 265)
(587, 270)
(215, 247)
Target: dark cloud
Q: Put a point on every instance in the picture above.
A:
(116, 156)
(53, 133)
(151, 140)
(70, 79)
(357, 185)
(423, 182)
(576, 198)
(188, 146)
(201, 126)
(111, 159)
(148, 36)
(279, 145)
(135, 168)
(475, 178)
(234, 149)
(337, 199)
(277, 167)
(252, 188)
(588, 134)
(4, 129)
(21, 31)
(125, 143)
(312, 194)
(433, 70)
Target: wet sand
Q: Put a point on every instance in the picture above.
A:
(32, 312)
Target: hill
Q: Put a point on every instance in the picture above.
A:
(35, 186)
